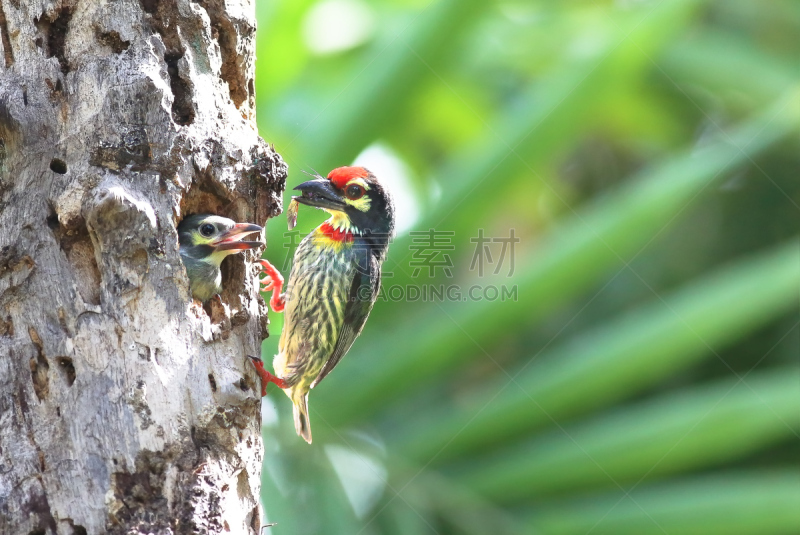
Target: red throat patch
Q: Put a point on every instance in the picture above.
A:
(342, 236)
(342, 175)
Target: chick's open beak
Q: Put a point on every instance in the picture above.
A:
(232, 240)
(320, 193)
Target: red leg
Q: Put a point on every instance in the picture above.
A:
(274, 282)
(266, 377)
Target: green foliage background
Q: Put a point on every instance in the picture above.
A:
(646, 379)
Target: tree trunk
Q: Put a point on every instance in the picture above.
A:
(124, 406)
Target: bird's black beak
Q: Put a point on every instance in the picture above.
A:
(232, 239)
(320, 193)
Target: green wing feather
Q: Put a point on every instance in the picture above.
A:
(363, 292)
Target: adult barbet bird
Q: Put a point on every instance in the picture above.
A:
(205, 240)
(333, 284)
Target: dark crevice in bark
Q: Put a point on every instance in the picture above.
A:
(55, 28)
(212, 382)
(255, 520)
(52, 219)
(62, 321)
(9, 141)
(233, 274)
(8, 53)
(224, 32)
(15, 264)
(242, 384)
(113, 40)
(56, 89)
(183, 112)
(57, 37)
(67, 369)
(38, 507)
(39, 367)
(59, 166)
(6, 327)
(182, 108)
(150, 6)
(77, 529)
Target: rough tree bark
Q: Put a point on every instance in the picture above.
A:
(124, 407)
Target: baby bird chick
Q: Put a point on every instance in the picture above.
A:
(205, 240)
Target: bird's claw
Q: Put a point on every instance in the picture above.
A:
(273, 282)
(271, 272)
(266, 377)
(267, 284)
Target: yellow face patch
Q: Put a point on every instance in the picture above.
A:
(364, 202)
(339, 219)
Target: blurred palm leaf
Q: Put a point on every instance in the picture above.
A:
(742, 503)
(612, 361)
(683, 430)
(646, 154)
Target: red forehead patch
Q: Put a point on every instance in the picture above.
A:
(342, 175)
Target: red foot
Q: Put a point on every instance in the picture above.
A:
(266, 377)
(274, 282)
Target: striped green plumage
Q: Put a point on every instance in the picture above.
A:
(333, 284)
(315, 299)
(317, 324)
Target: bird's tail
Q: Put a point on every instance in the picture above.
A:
(301, 422)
